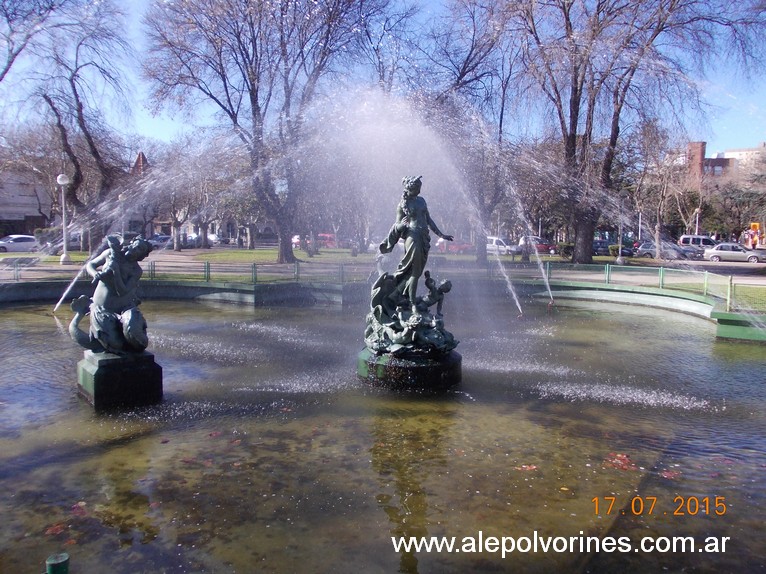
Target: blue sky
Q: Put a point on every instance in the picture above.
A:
(737, 118)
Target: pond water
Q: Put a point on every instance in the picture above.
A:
(267, 454)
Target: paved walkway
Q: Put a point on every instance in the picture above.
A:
(30, 269)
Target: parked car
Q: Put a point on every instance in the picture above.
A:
(600, 247)
(322, 240)
(496, 246)
(668, 251)
(701, 241)
(20, 243)
(73, 243)
(734, 252)
(626, 251)
(326, 240)
(541, 245)
(160, 240)
(456, 246)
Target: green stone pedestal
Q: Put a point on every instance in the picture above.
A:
(410, 372)
(110, 381)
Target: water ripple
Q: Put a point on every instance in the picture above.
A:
(624, 395)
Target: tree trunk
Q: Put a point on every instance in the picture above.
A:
(176, 236)
(585, 228)
(204, 227)
(251, 231)
(284, 233)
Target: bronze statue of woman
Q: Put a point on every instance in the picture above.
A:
(412, 224)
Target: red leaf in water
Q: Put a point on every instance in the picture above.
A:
(55, 529)
(526, 467)
(215, 434)
(670, 474)
(619, 461)
(79, 509)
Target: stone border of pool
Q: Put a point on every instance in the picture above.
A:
(729, 325)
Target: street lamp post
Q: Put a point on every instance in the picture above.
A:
(63, 181)
(619, 260)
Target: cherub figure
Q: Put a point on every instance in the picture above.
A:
(116, 324)
(435, 294)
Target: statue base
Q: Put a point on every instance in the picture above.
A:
(410, 372)
(109, 381)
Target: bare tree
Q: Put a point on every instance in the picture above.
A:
(260, 64)
(24, 24)
(597, 63)
(387, 39)
(81, 64)
(467, 57)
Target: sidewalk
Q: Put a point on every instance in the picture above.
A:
(27, 267)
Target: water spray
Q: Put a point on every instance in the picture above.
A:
(71, 286)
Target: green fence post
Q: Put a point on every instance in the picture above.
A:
(297, 272)
(729, 293)
(206, 271)
(704, 283)
(341, 273)
(254, 273)
(548, 270)
(16, 271)
(662, 277)
(607, 273)
(152, 270)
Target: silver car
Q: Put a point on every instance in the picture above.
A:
(734, 252)
(18, 243)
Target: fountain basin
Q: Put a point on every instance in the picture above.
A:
(267, 449)
(392, 371)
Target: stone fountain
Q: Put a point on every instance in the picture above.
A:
(406, 342)
(116, 370)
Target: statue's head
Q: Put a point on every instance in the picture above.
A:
(139, 248)
(412, 184)
(445, 286)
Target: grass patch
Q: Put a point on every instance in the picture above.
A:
(269, 255)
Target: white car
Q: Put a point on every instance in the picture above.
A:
(496, 246)
(25, 243)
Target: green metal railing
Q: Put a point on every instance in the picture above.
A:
(723, 290)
